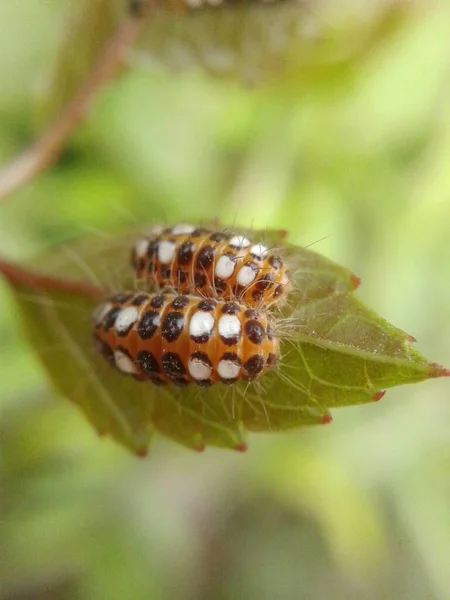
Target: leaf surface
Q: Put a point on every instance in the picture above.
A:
(254, 41)
(335, 351)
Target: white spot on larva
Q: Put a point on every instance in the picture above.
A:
(229, 326)
(239, 242)
(100, 312)
(228, 369)
(246, 275)
(126, 317)
(166, 251)
(199, 370)
(124, 362)
(141, 247)
(183, 229)
(224, 267)
(259, 251)
(201, 323)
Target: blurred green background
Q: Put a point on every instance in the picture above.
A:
(349, 151)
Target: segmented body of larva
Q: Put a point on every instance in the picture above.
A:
(178, 339)
(217, 264)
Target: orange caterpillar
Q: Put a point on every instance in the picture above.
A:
(211, 263)
(169, 338)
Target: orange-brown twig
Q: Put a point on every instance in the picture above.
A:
(49, 146)
(37, 281)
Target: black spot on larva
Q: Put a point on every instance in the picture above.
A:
(185, 253)
(172, 365)
(254, 365)
(251, 313)
(265, 282)
(152, 248)
(199, 279)
(275, 261)
(158, 301)
(219, 236)
(110, 317)
(104, 350)
(157, 380)
(148, 324)
(278, 290)
(172, 326)
(165, 271)
(180, 302)
(272, 359)
(230, 341)
(199, 232)
(121, 298)
(167, 230)
(139, 299)
(205, 257)
(181, 276)
(255, 331)
(230, 308)
(207, 305)
(219, 285)
(201, 339)
(203, 382)
(147, 362)
(257, 295)
(231, 356)
(203, 357)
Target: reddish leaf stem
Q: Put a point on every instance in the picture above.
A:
(38, 281)
(48, 147)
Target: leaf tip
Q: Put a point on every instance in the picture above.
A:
(327, 418)
(437, 370)
(200, 447)
(355, 281)
(378, 395)
(410, 338)
(242, 447)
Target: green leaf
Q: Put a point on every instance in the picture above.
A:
(335, 351)
(253, 41)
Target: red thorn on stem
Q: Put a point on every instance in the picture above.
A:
(410, 338)
(439, 371)
(355, 281)
(378, 395)
(200, 448)
(283, 233)
(242, 447)
(142, 452)
(327, 418)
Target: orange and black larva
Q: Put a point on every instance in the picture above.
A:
(216, 264)
(179, 339)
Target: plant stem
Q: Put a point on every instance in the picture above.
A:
(49, 146)
(38, 281)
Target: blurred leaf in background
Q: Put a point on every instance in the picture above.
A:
(356, 154)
